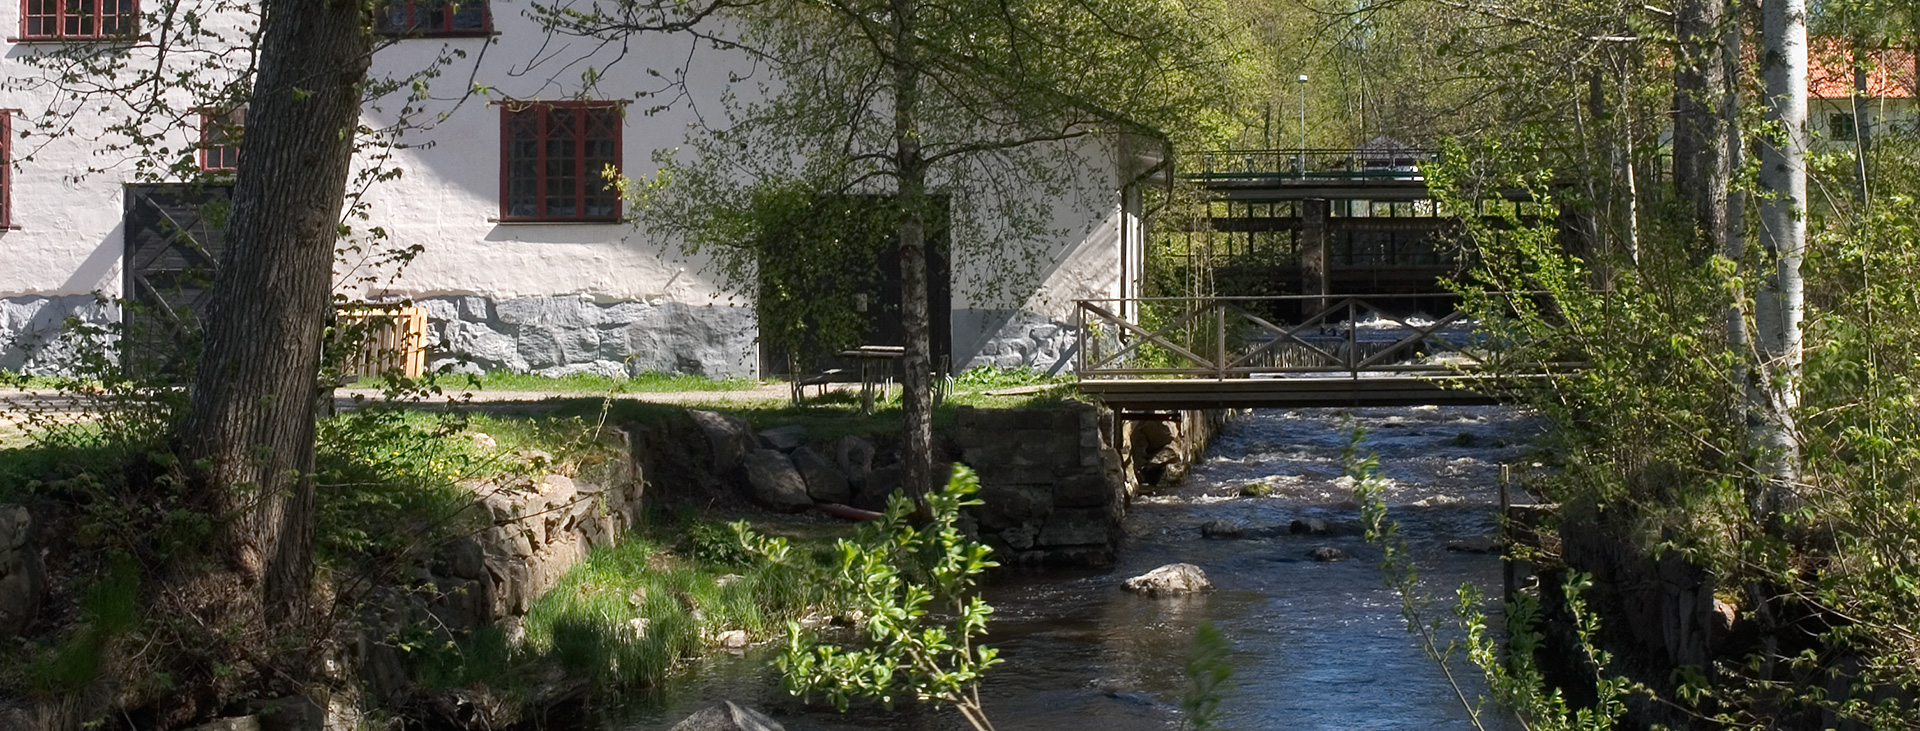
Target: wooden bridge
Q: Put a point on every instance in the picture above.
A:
(1298, 351)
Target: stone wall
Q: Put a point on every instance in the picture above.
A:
(559, 336)
(1015, 339)
(1053, 485)
(30, 328)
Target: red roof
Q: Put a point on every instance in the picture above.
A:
(1890, 71)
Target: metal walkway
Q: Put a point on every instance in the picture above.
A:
(1302, 351)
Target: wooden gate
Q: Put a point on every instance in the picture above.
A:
(174, 237)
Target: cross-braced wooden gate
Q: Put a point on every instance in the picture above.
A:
(174, 237)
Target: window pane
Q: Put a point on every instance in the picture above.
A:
(430, 15)
(470, 15)
(563, 164)
(523, 161)
(394, 18)
(79, 18)
(119, 17)
(602, 152)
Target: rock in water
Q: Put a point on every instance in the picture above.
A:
(728, 716)
(1475, 545)
(1328, 553)
(1222, 529)
(774, 481)
(1170, 580)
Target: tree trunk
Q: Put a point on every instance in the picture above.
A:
(1780, 303)
(916, 397)
(251, 429)
(1862, 123)
(1700, 169)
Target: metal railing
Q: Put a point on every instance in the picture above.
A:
(1391, 164)
(1241, 337)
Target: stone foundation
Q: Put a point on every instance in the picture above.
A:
(1054, 487)
(30, 329)
(560, 336)
(1016, 339)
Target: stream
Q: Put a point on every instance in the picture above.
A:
(1315, 645)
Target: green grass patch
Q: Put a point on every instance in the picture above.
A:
(628, 614)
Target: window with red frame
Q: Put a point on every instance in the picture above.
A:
(77, 19)
(552, 161)
(220, 140)
(434, 18)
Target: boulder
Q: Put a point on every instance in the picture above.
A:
(1308, 526)
(728, 716)
(784, 438)
(774, 482)
(855, 456)
(22, 580)
(1170, 580)
(1327, 553)
(880, 483)
(728, 438)
(825, 481)
(732, 639)
(1222, 529)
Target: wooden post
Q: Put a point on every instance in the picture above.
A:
(1313, 251)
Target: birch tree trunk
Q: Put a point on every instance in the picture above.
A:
(1779, 303)
(251, 429)
(1700, 154)
(916, 397)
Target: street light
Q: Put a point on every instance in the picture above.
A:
(1303, 125)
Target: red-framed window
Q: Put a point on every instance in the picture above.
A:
(6, 168)
(220, 139)
(553, 158)
(434, 18)
(77, 19)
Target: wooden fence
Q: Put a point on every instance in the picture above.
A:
(381, 340)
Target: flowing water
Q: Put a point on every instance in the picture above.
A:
(1315, 645)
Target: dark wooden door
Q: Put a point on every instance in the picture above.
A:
(174, 235)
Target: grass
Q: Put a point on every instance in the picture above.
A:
(628, 614)
(650, 382)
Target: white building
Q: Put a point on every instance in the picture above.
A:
(525, 263)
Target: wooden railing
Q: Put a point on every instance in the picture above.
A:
(381, 340)
(1240, 337)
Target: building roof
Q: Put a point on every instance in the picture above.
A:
(1890, 71)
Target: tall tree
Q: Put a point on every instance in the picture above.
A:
(250, 434)
(1779, 301)
(996, 104)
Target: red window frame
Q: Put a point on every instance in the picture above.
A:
(414, 18)
(6, 169)
(42, 20)
(532, 178)
(220, 138)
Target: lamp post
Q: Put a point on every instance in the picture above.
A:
(1303, 125)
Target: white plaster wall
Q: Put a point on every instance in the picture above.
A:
(68, 239)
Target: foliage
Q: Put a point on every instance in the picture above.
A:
(628, 614)
(1513, 677)
(912, 574)
(1207, 668)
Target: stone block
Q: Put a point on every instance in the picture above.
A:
(1008, 505)
(1078, 527)
(475, 309)
(784, 438)
(625, 313)
(565, 312)
(438, 309)
(1010, 360)
(774, 482)
(1084, 490)
(825, 482)
(487, 348)
(854, 455)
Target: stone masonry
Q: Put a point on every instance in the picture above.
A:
(1054, 487)
(564, 335)
(1026, 340)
